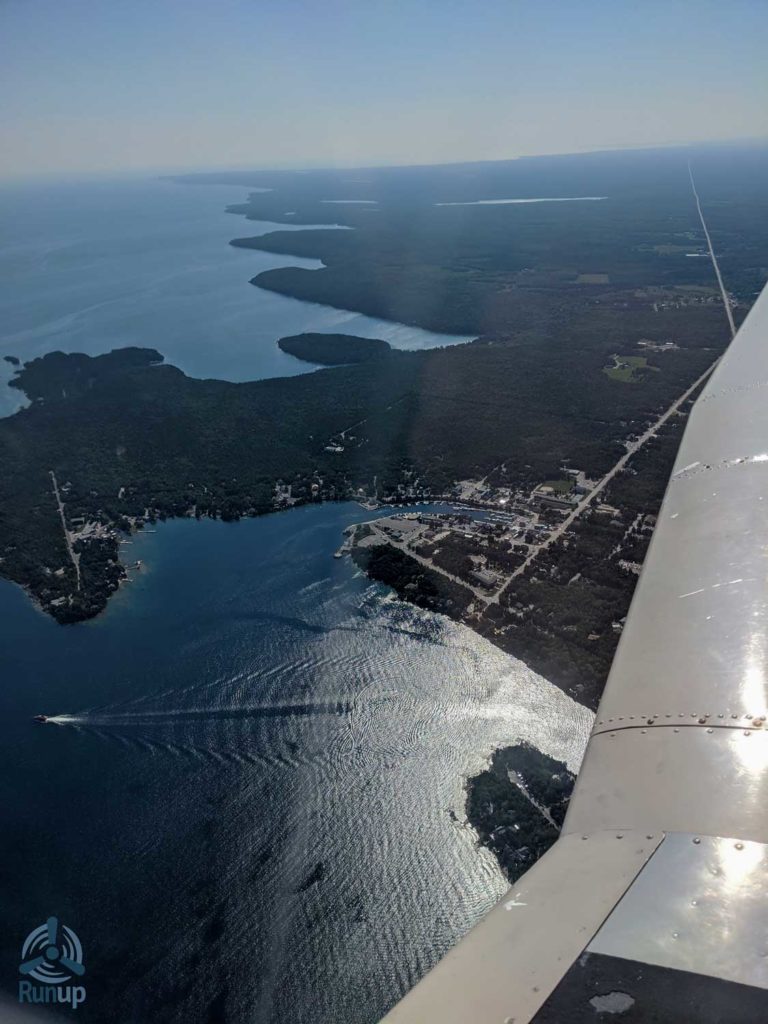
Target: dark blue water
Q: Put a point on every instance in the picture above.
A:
(250, 808)
(246, 805)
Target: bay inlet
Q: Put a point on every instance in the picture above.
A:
(95, 266)
(183, 821)
(251, 805)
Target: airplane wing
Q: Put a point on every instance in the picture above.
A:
(653, 903)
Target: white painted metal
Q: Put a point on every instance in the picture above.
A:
(694, 653)
(692, 780)
(695, 647)
(506, 967)
(699, 905)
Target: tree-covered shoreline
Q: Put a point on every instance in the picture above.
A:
(131, 438)
(333, 349)
(517, 805)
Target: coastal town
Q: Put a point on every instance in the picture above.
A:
(511, 572)
(547, 572)
(488, 533)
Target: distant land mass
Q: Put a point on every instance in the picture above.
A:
(487, 269)
(111, 442)
(590, 320)
(334, 349)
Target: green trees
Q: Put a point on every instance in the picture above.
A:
(334, 349)
(518, 804)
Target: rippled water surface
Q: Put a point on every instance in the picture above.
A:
(250, 803)
(255, 808)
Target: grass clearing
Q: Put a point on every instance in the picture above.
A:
(671, 250)
(628, 369)
(559, 486)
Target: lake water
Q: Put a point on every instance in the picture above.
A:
(252, 808)
(89, 268)
(515, 202)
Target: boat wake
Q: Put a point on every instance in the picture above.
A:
(288, 710)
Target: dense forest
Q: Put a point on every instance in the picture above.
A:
(130, 438)
(410, 580)
(421, 253)
(518, 804)
(333, 349)
(551, 290)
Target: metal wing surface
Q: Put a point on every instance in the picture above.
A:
(653, 904)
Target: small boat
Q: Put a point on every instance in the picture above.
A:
(41, 719)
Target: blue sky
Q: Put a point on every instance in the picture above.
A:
(106, 85)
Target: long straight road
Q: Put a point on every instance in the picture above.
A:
(636, 445)
(67, 539)
(718, 275)
(632, 447)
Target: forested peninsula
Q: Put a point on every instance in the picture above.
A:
(517, 805)
(113, 441)
(333, 349)
(589, 320)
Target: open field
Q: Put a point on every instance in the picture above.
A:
(628, 369)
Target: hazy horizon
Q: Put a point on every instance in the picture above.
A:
(93, 88)
(172, 171)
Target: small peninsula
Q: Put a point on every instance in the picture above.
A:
(517, 805)
(334, 349)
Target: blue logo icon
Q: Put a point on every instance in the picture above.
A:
(52, 954)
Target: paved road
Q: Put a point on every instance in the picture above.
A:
(632, 447)
(635, 445)
(484, 597)
(570, 519)
(75, 557)
(718, 275)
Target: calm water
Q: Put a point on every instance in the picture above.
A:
(89, 268)
(245, 811)
(515, 202)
